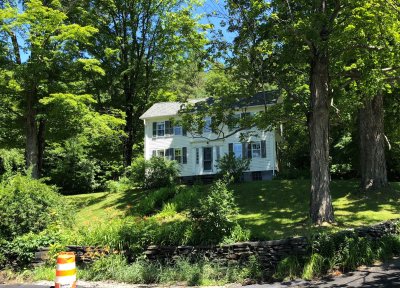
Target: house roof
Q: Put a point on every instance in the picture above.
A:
(162, 109)
(172, 108)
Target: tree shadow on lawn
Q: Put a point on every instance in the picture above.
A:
(129, 201)
(274, 209)
(354, 208)
(87, 200)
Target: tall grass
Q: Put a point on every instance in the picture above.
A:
(342, 252)
(180, 271)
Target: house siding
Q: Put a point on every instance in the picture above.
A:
(192, 168)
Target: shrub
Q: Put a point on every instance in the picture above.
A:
(213, 218)
(289, 267)
(154, 173)
(21, 250)
(187, 197)
(231, 166)
(154, 200)
(238, 234)
(115, 186)
(71, 168)
(11, 161)
(28, 205)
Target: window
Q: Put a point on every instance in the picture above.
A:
(158, 153)
(177, 130)
(197, 156)
(207, 125)
(237, 150)
(160, 128)
(178, 155)
(256, 150)
(207, 158)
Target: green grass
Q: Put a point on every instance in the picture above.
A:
(270, 209)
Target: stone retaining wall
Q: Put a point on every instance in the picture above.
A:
(270, 253)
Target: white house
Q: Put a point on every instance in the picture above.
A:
(198, 156)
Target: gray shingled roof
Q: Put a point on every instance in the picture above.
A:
(172, 108)
(162, 109)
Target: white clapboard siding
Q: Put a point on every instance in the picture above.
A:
(192, 168)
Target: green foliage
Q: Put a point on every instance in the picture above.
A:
(28, 205)
(213, 218)
(11, 161)
(154, 173)
(231, 166)
(20, 251)
(155, 199)
(237, 234)
(71, 168)
(181, 270)
(315, 267)
(187, 197)
(288, 268)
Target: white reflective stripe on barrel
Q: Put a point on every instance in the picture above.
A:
(67, 266)
(65, 279)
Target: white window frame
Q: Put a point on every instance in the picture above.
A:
(158, 129)
(252, 149)
(180, 155)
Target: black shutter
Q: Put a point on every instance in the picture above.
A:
(249, 150)
(167, 153)
(263, 149)
(244, 150)
(171, 153)
(153, 153)
(230, 146)
(184, 133)
(154, 129)
(184, 155)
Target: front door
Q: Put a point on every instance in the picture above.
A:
(207, 159)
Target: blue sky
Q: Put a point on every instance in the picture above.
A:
(214, 12)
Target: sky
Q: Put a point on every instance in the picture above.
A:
(214, 12)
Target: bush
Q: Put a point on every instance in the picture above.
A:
(154, 200)
(28, 205)
(231, 166)
(69, 167)
(213, 218)
(11, 161)
(154, 173)
(21, 250)
(187, 197)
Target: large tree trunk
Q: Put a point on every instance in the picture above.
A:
(41, 144)
(372, 144)
(128, 143)
(32, 148)
(321, 209)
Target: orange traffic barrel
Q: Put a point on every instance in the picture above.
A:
(66, 270)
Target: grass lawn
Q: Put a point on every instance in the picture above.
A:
(270, 209)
